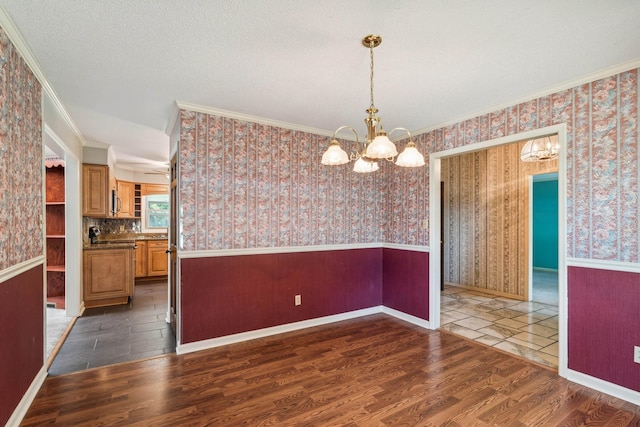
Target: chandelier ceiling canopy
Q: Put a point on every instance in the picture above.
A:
(377, 145)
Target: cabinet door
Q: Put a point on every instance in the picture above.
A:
(148, 189)
(126, 205)
(107, 274)
(141, 258)
(95, 191)
(157, 260)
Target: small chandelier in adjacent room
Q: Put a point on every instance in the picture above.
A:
(540, 149)
(377, 144)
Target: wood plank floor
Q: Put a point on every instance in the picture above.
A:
(371, 371)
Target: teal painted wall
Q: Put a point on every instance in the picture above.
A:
(545, 224)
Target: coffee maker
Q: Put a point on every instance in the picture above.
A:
(94, 232)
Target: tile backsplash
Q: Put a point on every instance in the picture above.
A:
(110, 226)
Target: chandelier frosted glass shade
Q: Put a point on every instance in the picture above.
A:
(381, 147)
(335, 155)
(541, 149)
(365, 166)
(410, 157)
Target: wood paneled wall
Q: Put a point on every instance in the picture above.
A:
(486, 219)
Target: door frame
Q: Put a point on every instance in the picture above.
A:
(434, 227)
(73, 223)
(173, 290)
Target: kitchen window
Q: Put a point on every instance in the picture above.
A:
(155, 213)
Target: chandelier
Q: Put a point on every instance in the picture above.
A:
(541, 149)
(377, 145)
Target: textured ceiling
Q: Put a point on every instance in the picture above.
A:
(119, 66)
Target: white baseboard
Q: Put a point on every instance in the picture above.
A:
(27, 399)
(280, 329)
(550, 270)
(274, 330)
(406, 317)
(604, 386)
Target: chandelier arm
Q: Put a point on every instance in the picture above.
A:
(391, 159)
(395, 129)
(357, 138)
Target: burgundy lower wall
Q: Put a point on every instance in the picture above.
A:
(604, 324)
(405, 277)
(21, 329)
(228, 295)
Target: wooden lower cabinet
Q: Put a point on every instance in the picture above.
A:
(151, 258)
(157, 259)
(108, 276)
(141, 258)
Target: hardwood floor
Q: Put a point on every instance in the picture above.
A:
(370, 371)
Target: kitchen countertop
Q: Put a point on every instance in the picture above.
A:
(129, 237)
(110, 245)
(124, 240)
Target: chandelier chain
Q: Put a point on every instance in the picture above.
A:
(371, 74)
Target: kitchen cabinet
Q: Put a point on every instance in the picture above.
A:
(97, 185)
(157, 260)
(137, 200)
(108, 276)
(126, 197)
(148, 189)
(151, 258)
(141, 258)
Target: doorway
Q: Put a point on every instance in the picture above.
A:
(63, 242)
(435, 235)
(544, 239)
(486, 212)
(172, 314)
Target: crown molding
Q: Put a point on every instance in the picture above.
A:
(23, 48)
(588, 78)
(173, 118)
(254, 119)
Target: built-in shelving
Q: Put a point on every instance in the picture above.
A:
(137, 201)
(55, 233)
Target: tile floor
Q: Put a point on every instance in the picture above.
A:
(108, 335)
(528, 329)
(57, 324)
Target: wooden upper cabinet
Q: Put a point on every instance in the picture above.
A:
(96, 191)
(126, 205)
(154, 189)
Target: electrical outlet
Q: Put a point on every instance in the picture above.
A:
(636, 353)
(298, 300)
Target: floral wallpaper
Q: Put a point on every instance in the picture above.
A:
(21, 171)
(602, 163)
(247, 185)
